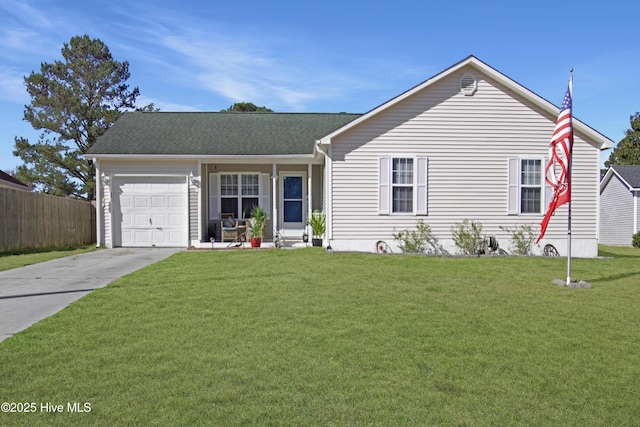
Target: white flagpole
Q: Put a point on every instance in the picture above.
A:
(569, 173)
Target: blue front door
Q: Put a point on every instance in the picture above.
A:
(293, 206)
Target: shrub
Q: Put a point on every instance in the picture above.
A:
(522, 238)
(419, 241)
(636, 240)
(467, 236)
(318, 223)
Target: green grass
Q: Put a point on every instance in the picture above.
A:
(305, 337)
(15, 259)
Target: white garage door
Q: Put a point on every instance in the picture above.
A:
(151, 211)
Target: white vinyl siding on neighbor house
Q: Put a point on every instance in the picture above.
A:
(468, 141)
(616, 213)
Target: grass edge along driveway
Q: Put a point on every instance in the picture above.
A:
(306, 337)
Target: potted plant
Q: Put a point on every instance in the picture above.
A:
(318, 224)
(256, 229)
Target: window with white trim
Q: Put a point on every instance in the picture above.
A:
(238, 193)
(526, 186)
(530, 186)
(402, 185)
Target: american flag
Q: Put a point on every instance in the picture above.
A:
(557, 170)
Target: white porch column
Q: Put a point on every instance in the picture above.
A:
(274, 208)
(310, 191)
(98, 203)
(201, 217)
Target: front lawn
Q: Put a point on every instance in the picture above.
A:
(304, 337)
(15, 259)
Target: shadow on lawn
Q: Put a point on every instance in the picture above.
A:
(620, 276)
(42, 250)
(625, 252)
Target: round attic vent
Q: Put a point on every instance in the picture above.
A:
(468, 84)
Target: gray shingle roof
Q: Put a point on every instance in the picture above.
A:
(218, 134)
(631, 174)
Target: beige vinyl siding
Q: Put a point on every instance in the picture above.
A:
(317, 187)
(616, 213)
(467, 141)
(193, 211)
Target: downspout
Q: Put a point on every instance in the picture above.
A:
(274, 209)
(98, 204)
(635, 212)
(309, 194)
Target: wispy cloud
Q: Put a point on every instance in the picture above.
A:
(244, 70)
(12, 86)
(143, 101)
(272, 68)
(22, 12)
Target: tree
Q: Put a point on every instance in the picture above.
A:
(627, 152)
(73, 102)
(246, 107)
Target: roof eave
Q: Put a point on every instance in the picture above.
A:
(251, 158)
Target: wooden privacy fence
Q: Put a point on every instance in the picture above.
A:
(34, 220)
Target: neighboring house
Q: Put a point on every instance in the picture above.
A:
(619, 199)
(469, 143)
(7, 180)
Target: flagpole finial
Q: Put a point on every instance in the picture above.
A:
(571, 70)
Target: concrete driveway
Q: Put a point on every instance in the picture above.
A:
(31, 293)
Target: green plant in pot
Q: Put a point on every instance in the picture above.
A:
(256, 229)
(318, 224)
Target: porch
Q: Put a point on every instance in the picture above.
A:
(289, 190)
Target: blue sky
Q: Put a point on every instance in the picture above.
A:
(328, 56)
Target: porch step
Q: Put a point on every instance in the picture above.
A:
(294, 244)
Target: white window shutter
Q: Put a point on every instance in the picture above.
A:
(514, 184)
(214, 196)
(384, 180)
(548, 190)
(265, 193)
(422, 190)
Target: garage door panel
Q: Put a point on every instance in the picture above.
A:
(152, 211)
(127, 220)
(175, 238)
(141, 201)
(140, 237)
(127, 238)
(159, 219)
(125, 201)
(159, 237)
(176, 202)
(158, 201)
(140, 220)
(174, 187)
(176, 220)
